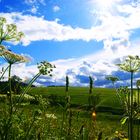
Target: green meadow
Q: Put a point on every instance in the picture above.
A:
(79, 95)
(51, 100)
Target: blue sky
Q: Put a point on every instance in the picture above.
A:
(67, 14)
(82, 37)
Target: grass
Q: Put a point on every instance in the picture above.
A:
(106, 121)
(108, 108)
(79, 95)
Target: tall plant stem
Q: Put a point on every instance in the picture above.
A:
(90, 90)
(4, 72)
(10, 90)
(27, 89)
(30, 83)
(1, 41)
(9, 124)
(131, 109)
(138, 128)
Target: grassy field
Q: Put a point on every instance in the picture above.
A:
(79, 95)
(107, 120)
(108, 107)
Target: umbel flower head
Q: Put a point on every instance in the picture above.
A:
(112, 78)
(138, 83)
(13, 58)
(2, 50)
(9, 32)
(130, 64)
(45, 68)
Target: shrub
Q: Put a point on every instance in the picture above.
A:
(3, 98)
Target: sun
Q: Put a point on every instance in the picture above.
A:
(105, 3)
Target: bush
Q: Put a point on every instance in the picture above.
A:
(55, 100)
(3, 98)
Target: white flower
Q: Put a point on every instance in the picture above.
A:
(50, 116)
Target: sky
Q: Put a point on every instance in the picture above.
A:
(81, 37)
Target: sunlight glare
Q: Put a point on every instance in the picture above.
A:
(105, 4)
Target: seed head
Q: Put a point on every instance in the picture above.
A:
(45, 68)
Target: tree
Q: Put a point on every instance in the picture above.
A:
(131, 64)
(16, 83)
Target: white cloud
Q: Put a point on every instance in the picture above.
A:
(34, 10)
(38, 84)
(36, 2)
(112, 26)
(118, 26)
(42, 80)
(56, 8)
(96, 65)
(22, 70)
(114, 30)
(30, 1)
(34, 5)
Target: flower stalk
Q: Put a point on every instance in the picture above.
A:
(132, 65)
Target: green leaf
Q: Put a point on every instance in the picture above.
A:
(123, 120)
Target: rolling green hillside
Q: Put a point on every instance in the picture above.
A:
(79, 95)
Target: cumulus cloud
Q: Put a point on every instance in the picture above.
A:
(114, 29)
(97, 65)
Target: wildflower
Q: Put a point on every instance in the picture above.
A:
(9, 32)
(113, 79)
(13, 58)
(94, 115)
(131, 64)
(2, 50)
(116, 132)
(50, 116)
(2, 21)
(45, 68)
